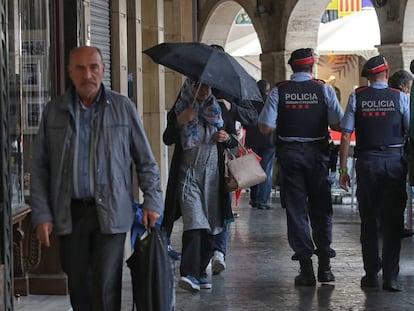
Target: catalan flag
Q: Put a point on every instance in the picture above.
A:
(333, 5)
(348, 6)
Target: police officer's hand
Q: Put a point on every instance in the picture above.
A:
(344, 181)
(149, 218)
(43, 232)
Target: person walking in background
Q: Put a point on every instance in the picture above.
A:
(220, 241)
(196, 188)
(244, 113)
(264, 146)
(410, 158)
(81, 183)
(300, 110)
(380, 117)
(233, 110)
(401, 80)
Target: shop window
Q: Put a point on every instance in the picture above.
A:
(30, 90)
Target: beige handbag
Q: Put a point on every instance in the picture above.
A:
(243, 171)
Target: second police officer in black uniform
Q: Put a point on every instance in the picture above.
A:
(300, 110)
(380, 117)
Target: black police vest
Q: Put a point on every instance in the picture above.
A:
(302, 111)
(378, 121)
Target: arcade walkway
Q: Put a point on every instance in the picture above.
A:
(259, 274)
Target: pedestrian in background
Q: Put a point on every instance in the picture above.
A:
(243, 113)
(81, 183)
(380, 117)
(196, 188)
(232, 110)
(401, 80)
(410, 148)
(300, 110)
(264, 146)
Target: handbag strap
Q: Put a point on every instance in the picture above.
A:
(229, 152)
(240, 144)
(229, 155)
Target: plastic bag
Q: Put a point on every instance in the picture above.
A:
(151, 272)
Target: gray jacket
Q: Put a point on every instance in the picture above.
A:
(120, 141)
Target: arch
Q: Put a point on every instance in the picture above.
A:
(217, 17)
(303, 25)
(217, 20)
(217, 26)
(408, 25)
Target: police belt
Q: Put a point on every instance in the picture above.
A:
(320, 142)
(398, 149)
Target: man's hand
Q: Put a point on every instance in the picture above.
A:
(43, 232)
(149, 218)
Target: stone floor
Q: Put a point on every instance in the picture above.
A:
(259, 274)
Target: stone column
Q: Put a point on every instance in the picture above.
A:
(398, 55)
(153, 82)
(178, 28)
(119, 56)
(134, 47)
(274, 66)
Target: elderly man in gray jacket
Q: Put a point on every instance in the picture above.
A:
(81, 181)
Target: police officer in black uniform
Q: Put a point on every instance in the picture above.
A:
(301, 109)
(380, 116)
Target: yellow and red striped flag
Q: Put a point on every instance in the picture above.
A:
(348, 6)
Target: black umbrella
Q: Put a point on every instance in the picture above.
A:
(208, 65)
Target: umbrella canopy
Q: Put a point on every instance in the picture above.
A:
(208, 65)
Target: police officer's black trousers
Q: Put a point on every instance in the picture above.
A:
(306, 195)
(381, 191)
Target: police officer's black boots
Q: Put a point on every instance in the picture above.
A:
(324, 271)
(306, 275)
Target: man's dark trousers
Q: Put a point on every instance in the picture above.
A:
(93, 261)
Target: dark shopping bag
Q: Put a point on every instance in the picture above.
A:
(151, 272)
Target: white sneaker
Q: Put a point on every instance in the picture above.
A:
(208, 269)
(218, 264)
